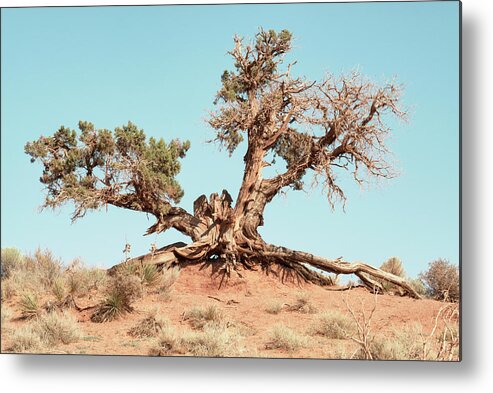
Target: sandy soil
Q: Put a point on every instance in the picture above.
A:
(244, 301)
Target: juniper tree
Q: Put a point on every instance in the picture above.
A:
(321, 128)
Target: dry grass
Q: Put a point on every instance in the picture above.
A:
(26, 340)
(81, 279)
(285, 338)
(150, 326)
(168, 278)
(58, 288)
(303, 304)
(10, 259)
(57, 328)
(167, 342)
(274, 307)
(334, 325)
(214, 340)
(6, 315)
(198, 316)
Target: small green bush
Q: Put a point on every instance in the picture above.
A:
(121, 292)
(149, 275)
(29, 305)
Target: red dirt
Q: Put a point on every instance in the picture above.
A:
(244, 300)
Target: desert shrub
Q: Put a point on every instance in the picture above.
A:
(8, 290)
(283, 337)
(149, 275)
(274, 307)
(81, 279)
(166, 343)
(333, 324)
(57, 328)
(442, 280)
(198, 317)
(29, 305)
(407, 343)
(45, 265)
(59, 289)
(214, 341)
(26, 339)
(303, 304)
(149, 326)
(418, 286)
(121, 292)
(24, 280)
(393, 266)
(11, 258)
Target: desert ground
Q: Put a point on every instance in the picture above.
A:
(194, 312)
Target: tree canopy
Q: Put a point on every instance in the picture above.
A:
(327, 127)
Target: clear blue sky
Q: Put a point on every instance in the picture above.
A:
(160, 68)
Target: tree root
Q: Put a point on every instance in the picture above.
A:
(296, 263)
(365, 272)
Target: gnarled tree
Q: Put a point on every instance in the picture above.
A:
(325, 127)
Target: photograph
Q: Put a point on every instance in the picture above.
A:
(232, 180)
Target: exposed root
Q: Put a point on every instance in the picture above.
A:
(365, 272)
(294, 264)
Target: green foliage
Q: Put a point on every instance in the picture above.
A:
(442, 280)
(29, 305)
(149, 275)
(121, 292)
(260, 69)
(252, 74)
(99, 167)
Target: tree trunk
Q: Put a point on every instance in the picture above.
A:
(229, 237)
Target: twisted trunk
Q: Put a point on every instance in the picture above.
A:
(228, 236)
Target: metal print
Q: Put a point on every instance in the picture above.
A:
(293, 167)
